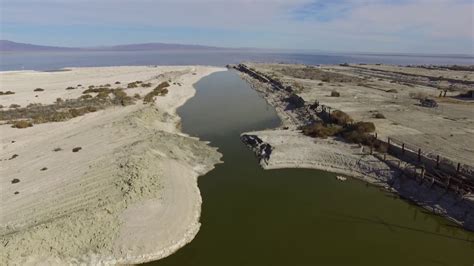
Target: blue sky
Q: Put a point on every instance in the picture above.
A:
(407, 26)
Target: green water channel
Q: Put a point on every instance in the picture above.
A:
(294, 216)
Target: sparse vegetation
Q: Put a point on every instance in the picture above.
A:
(160, 90)
(320, 130)
(76, 149)
(57, 149)
(6, 92)
(15, 180)
(14, 105)
(71, 88)
(146, 85)
(38, 89)
(44, 169)
(335, 94)
(13, 156)
(117, 82)
(21, 124)
(340, 118)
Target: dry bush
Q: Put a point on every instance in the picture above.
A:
(14, 105)
(6, 92)
(86, 96)
(340, 118)
(160, 90)
(335, 94)
(319, 130)
(57, 149)
(122, 98)
(97, 90)
(146, 85)
(21, 124)
(71, 88)
(117, 82)
(59, 100)
(91, 86)
(365, 127)
(38, 89)
(136, 96)
(76, 149)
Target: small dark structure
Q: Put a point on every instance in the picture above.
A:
(428, 103)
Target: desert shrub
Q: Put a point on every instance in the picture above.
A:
(44, 169)
(59, 100)
(70, 88)
(160, 90)
(79, 85)
(103, 94)
(136, 96)
(33, 105)
(320, 84)
(57, 149)
(6, 92)
(15, 180)
(378, 116)
(106, 85)
(117, 82)
(85, 97)
(319, 130)
(146, 85)
(340, 118)
(38, 89)
(97, 90)
(91, 86)
(335, 94)
(14, 105)
(132, 85)
(1, 106)
(76, 149)
(326, 79)
(122, 98)
(21, 124)
(365, 127)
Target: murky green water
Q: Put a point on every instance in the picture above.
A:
(294, 216)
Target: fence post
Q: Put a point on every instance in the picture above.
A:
(458, 168)
(403, 148)
(419, 155)
(437, 161)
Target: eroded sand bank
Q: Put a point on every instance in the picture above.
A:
(130, 193)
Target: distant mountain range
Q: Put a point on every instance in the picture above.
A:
(9, 46)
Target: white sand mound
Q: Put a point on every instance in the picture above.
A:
(129, 195)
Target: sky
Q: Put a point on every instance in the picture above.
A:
(379, 26)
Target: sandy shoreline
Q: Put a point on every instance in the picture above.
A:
(129, 195)
(291, 149)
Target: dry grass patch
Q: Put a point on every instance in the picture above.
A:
(6, 92)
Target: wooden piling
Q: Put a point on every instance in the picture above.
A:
(403, 148)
